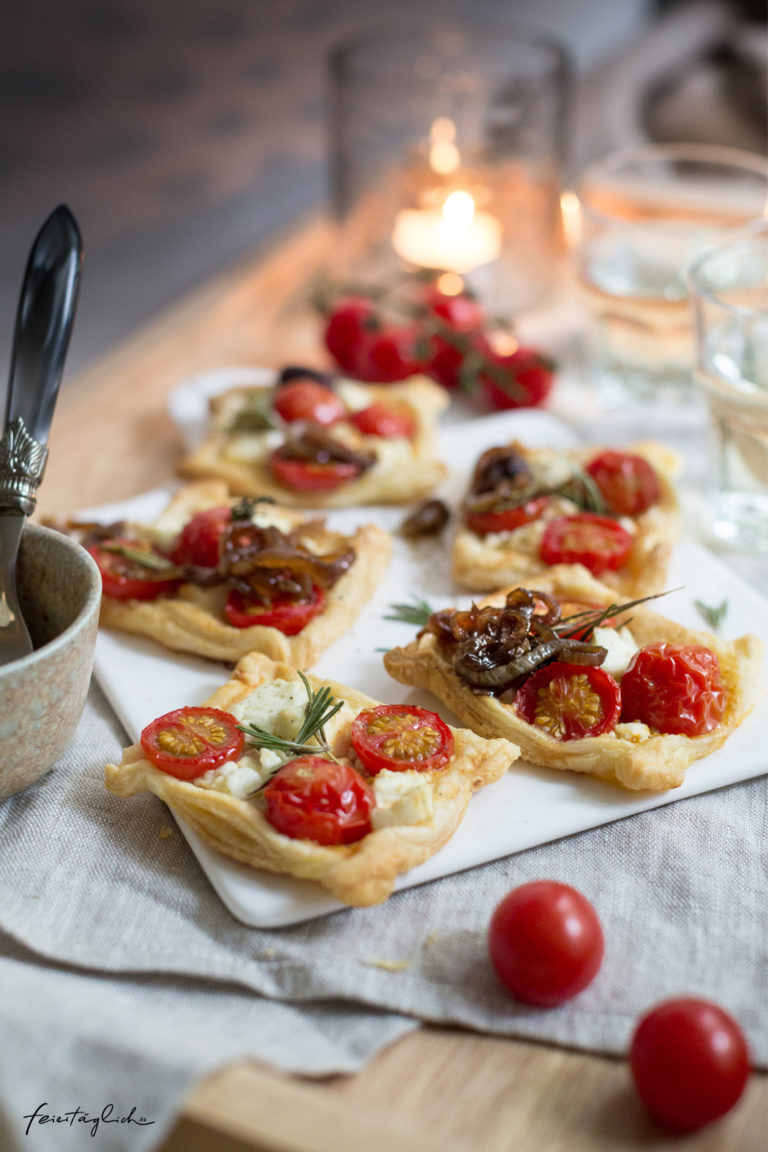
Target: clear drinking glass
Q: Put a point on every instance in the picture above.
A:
(728, 287)
(645, 213)
(446, 149)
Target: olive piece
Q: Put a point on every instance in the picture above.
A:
(500, 465)
(428, 519)
(294, 372)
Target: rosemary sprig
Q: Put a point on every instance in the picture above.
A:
(586, 622)
(146, 558)
(321, 706)
(713, 614)
(417, 612)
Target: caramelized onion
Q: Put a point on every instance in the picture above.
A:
(317, 446)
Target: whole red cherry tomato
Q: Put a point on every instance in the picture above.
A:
(507, 519)
(459, 311)
(455, 358)
(288, 616)
(190, 741)
(308, 400)
(347, 331)
(401, 737)
(519, 379)
(674, 689)
(628, 483)
(391, 354)
(387, 420)
(369, 345)
(689, 1062)
(198, 541)
(125, 579)
(597, 542)
(546, 942)
(569, 701)
(312, 798)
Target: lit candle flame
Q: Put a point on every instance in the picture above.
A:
(458, 209)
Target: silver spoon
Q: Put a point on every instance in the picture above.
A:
(43, 327)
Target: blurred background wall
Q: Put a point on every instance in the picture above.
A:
(184, 133)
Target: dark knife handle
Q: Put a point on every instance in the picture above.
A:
(44, 322)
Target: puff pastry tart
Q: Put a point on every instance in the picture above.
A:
(218, 577)
(624, 695)
(293, 774)
(614, 512)
(316, 442)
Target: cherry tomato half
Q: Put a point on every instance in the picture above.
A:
(507, 519)
(675, 689)
(597, 542)
(629, 484)
(190, 741)
(312, 798)
(288, 616)
(569, 701)
(401, 737)
(546, 942)
(312, 475)
(126, 579)
(308, 400)
(387, 420)
(690, 1063)
(198, 541)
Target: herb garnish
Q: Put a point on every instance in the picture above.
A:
(586, 622)
(417, 612)
(141, 556)
(713, 614)
(321, 706)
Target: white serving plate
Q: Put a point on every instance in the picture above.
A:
(529, 806)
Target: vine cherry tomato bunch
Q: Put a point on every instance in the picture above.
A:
(421, 328)
(688, 1057)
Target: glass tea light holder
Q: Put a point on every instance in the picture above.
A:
(446, 150)
(642, 215)
(728, 288)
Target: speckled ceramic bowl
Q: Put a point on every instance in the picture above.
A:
(42, 695)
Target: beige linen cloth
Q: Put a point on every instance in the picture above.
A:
(123, 977)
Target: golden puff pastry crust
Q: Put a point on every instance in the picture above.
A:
(481, 564)
(405, 470)
(359, 874)
(633, 756)
(193, 619)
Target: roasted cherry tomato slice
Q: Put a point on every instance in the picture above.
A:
(674, 689)
(311, 475)
(401, 737)
(288, 616)
(387, 420)
(569, 701)
(629, 484)
(597, 542)
(312, 798)
(198, 541)
(507, 519)
(126, 579)
(190, 741)
(308, 400)
(690, 1063)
